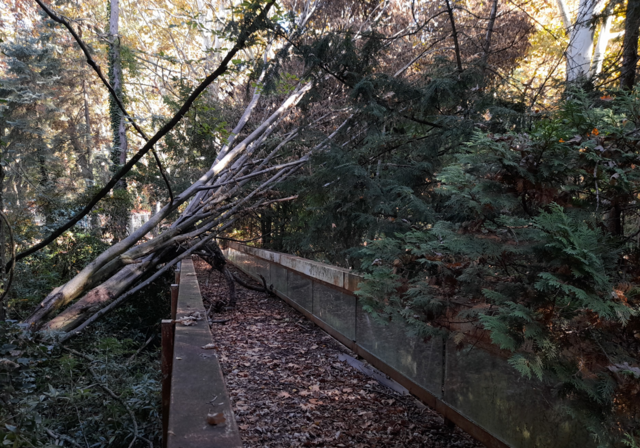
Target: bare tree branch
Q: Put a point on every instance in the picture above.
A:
(96, 68)
(249, 29)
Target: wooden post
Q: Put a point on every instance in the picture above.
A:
(174, 300)
(167, 330)
(177, 281)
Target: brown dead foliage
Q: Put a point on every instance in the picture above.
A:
(289, 389)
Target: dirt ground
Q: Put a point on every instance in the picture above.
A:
(289, 389)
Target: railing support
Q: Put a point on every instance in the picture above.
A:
(174, 300)
(167, 330)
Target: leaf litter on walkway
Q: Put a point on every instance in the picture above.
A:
(289, 389)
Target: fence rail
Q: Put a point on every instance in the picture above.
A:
(196, 407)
(475, 389)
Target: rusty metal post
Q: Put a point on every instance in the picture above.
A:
(174, 300)
(167, 330)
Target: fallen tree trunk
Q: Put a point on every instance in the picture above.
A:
(204, 215)
(243, 172)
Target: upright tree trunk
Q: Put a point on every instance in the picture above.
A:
(75, 138)
(564, 14)
(454, 34)
(266, 225)
(487, 40)
(581, 43)
(601, 46)
(119, 151)
(3, 255)
(630, 45)
(119, 215)
(89, 142)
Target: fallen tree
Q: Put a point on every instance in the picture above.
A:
(237, 183)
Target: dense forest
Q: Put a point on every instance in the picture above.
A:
(477, 161)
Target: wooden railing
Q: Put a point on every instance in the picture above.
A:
(475, 389)
(196, 409)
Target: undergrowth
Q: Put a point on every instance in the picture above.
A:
(88, 393)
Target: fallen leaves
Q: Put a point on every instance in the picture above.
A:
(289, 389)
(216, 419)
(190, 319)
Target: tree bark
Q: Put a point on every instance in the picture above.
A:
(454, 35)
(3, 254)
(630, 45)
(119, 150)
(95, 299)
(601, 46)
(581, 43)
(89, 142)
(564, 13)
(490, 25)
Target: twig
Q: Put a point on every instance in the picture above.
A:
(113, 395)
(121, 401)
(246, 285)
(153, 336)
(62, 437)
(268, 289)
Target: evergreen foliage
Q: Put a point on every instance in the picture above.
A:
(533, 248)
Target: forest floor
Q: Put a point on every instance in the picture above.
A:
(289, 389)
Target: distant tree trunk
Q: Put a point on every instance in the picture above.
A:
(581, 42)
(630, 45)
(454, 34)
(119, 215)
(615, 219)
(89, 142)
(79, 149)
(44, 201)
(487, 40)
(265, 228)
(119, 151)
(601, 46)
(564, 13)
(3, 256)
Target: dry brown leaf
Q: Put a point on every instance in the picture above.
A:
(216, 419)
